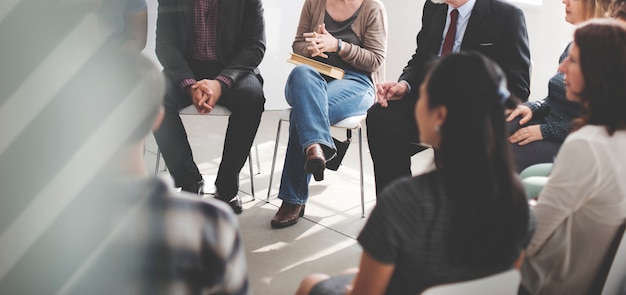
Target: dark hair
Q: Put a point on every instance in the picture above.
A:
(490, 209)
(602, 49)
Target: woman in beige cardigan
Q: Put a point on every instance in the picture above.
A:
(348, 34)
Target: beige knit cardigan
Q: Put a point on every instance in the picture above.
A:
(370, 26)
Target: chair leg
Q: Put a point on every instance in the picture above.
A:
(158, 162)
(251, 175)
(258, 162)
(158, 165)
(269, 188)
(349, 136)
(361, 169)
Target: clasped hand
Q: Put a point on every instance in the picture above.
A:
(320, 41)
(390, 91)
(205, 94)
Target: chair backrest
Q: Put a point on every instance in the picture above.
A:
(541, 169)
(504, 283)
(616, 259)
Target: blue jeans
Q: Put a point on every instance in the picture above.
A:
(316, 105)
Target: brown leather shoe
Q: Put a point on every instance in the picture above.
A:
(287, 215)
(315, 162)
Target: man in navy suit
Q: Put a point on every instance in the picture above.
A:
(493, 27)
(210, 51)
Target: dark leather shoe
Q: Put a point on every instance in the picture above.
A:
(195, 188)
(315, 162)
(287, 215)
(234, 202)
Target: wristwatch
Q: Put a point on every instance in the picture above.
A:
(339, 45)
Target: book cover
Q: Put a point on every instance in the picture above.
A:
(328, 70)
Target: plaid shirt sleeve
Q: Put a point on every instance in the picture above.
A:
(225, 82)
(205, 231)
(187, 82)
(229, 246)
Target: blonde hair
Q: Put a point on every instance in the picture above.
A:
(601, 7)
(594, 8)
(617, 9)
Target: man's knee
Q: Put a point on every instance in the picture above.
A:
(379, 118)
(249, 99)
(256, 102)
(252, 99)
(174, 99)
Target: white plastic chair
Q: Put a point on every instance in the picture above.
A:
(504, 283)
(218, 110)
(350, 123)
(616, 277)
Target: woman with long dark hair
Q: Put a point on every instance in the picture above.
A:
(583, 204)
(468, 218)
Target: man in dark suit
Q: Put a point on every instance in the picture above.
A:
(210, 51)
(492, 27)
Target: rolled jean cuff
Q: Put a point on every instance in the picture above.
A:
(330, 150)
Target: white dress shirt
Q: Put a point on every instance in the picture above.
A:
(465, 11)
(578, 213)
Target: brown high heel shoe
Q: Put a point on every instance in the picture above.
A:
(287, 215)
(315, 162)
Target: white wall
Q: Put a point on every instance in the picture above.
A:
(547, 30)
(281, 21)
(152, 14)
(549, 34)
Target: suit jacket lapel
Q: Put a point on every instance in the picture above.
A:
(222, 22)
(477, 25)
(188, 30)
(438, 25)
(187, 6)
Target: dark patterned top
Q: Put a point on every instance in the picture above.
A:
(409, 227)
(206, 16)
(135, 238)
(557, 113)
(190, 246)
(341, 30)
(205, 25)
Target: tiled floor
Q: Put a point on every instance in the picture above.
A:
(322, 241)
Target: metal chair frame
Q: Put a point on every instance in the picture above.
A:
(350, 123)
(217, 111)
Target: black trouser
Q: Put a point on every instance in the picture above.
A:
(536, 152)
(246, 102)
(391, 132)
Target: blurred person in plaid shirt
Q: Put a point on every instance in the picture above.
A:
(78, 212)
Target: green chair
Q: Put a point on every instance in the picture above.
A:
(533, 185)
(542, 169)
(534, 178)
